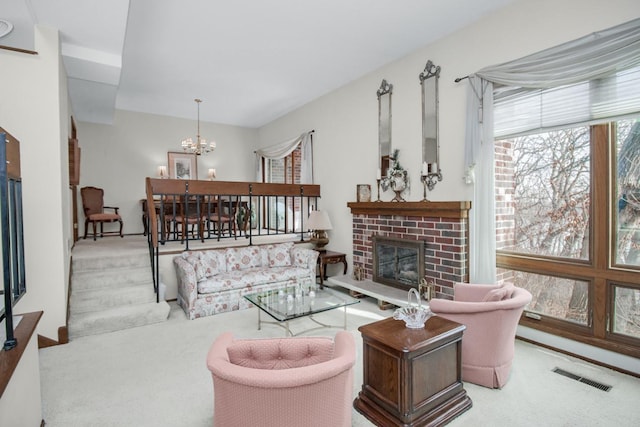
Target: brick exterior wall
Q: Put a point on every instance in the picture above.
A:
(504, 188)
(446, 245)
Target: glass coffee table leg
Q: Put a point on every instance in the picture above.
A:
(344, 325)
(286, 327)
(259, 322)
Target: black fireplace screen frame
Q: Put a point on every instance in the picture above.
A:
(396, 254)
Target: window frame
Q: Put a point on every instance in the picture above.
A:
(599, 270)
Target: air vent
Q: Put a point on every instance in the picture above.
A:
(583, 380)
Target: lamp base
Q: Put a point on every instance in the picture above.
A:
(319, 243)
(320, 240)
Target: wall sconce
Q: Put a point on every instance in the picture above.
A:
(212, 174)
(319, 222)
(162, 172)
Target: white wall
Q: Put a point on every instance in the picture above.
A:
(345, 142)
(118, 157)
(34, 109)
(21, 404)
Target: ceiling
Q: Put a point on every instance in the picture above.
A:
(250, 61)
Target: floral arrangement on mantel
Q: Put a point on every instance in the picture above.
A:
(397, 177)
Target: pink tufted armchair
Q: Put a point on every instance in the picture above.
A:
(491, 314)
(299, 381)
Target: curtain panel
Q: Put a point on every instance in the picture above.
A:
(595, 56)
(283, 149)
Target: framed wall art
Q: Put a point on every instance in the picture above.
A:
(363, 193)
(182, 165)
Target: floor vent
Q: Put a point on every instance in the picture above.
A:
(583, 380)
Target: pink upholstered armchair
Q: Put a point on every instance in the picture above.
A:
(299, 381)
(491, 314)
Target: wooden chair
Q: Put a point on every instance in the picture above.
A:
(224, 214)
(182, 213)
(93, 206)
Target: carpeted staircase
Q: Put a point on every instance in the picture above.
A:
(112, 288)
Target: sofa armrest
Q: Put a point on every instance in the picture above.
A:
(304, 258)
(187, 282)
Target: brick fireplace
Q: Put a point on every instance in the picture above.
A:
(442, 226)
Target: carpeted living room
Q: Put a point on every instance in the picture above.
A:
(380, 213)
(156, 375)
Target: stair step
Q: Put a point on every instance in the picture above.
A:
(105, 298)
(114, 319)
(124, 260)
(110, 278)
(112, 287)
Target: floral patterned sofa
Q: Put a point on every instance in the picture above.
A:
(215, 280)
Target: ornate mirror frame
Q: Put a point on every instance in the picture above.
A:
(431, 173)
(384, 127)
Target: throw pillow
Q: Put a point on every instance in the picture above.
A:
(280, 254)
(503, 292)
(197, 266)
(243, 258)
(300, 258)
(211, 263)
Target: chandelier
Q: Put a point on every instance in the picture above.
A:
(199, 146)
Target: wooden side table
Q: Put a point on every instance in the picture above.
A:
(412, 377)
(330, 257)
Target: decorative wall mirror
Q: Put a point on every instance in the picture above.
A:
(431, 173)
(384, 127)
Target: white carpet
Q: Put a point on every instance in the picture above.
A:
(156, 375)
(112, 287)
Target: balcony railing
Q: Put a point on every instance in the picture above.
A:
(189, 210)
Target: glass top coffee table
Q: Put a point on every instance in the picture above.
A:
(295, 302)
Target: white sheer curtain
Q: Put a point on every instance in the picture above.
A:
(479, 167)
(283, 149)
(598, 55)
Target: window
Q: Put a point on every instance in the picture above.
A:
(567, 194)
(627, 188)
(283, 213)
(625, 322)
(285, 170)
(555, 220)
(547, 178)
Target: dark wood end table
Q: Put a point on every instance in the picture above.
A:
(330, 257)
(412, 377)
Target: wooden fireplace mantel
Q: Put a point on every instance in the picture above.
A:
(429, 209)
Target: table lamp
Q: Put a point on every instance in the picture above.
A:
(319, 223)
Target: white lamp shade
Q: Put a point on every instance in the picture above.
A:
(212, 173)
(162, 171)
(318, 220)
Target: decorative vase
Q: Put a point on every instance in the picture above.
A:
(398, 184)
